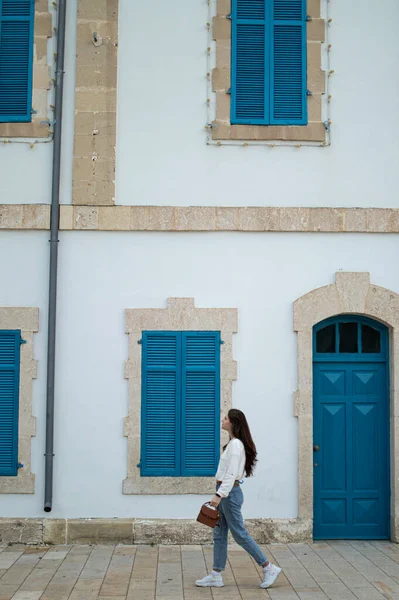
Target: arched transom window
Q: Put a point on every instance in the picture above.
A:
(348, 336)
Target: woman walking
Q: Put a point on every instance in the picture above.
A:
(238, 458)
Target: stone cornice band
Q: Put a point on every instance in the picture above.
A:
(202, 218)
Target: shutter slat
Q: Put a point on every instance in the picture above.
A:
(288, 10)
(201, 403)
(9, 395)
(160, 437)
(14, 8)
(16, 59)
(250, 9)
(288, 104)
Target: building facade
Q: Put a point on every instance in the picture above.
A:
(228, 237)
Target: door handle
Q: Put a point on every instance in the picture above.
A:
(316, 448)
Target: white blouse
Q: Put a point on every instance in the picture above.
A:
(231, 466)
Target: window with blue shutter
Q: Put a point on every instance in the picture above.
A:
(268, 78)
(10, 342)
(16, 60)
(180, 430)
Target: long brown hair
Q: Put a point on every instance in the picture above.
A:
(240, 430)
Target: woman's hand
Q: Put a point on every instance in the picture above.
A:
(215, 501)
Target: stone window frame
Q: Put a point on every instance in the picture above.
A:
(38, 127)
(352, 293)
(181, 314)
(27, 321)
(222, 129)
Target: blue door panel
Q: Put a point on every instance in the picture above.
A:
(365, 512)
(333, 512)
(333, 382)
(333, 426)
(365, 433)
(351, 449)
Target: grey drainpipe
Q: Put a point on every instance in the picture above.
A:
(52, 306)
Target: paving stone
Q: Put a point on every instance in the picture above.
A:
(368, 594)
(387, 547)
(172, 597)
(93, 573)
(36, 549)
(7, 590)
(57, 553)
(169, 575)
(320, 571)
(42, 573)
(317, 568)
(311, 594)
(371, 572)
(7, 559)
(246, 575)
(17, 574)
(343, 570)
(194, 567)
(81, 550)
(67, 575)
(143, 579)
(387, 590)
(39, 579)
(142, 595)
(299, 577)
(117, 579)
(276, 593)
(27, 595)
(57, 590)
(83, 595)
(127, 550)
(337, 591)
(230, 591)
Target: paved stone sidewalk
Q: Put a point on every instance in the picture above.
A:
(320, 571)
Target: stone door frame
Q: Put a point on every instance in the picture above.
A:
(352, 293)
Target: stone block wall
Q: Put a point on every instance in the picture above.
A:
(95, 108)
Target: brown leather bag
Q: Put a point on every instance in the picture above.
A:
(208, 515)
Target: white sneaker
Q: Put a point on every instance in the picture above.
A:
(270, 575)
(210, 581)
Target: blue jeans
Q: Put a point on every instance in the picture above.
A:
(231, 518)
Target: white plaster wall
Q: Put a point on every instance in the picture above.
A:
(162, 157)
(24, 282)
(161, 153)
(101, 274)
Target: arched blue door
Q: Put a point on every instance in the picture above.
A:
(351, 429)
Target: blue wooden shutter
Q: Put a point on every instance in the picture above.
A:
(288, 105)
(200, 403)
(160, 413)
(9, 400)
(16, 60)
(268, 74)
(250, 62)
